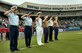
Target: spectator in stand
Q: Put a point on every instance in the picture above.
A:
(1, 35)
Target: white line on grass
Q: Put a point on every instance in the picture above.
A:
(23, 48)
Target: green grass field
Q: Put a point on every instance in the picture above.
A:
(69, 42)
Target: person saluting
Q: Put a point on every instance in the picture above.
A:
(14, 23)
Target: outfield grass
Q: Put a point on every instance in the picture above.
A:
(69, 42)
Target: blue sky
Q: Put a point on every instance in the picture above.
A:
(49, 2)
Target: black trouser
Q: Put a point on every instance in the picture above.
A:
(50, 33)
(46, 35)
(55, 33)
(28, 35)
(7, 36)
(1, 36)
(13, 37)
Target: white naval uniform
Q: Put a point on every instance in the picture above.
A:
(39, 31)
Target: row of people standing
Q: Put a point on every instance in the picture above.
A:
(50, 24)
(14, 23)
(45, 27)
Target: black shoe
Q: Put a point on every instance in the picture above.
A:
(56, 39)
(51, 40)
(29, 47)
(17, 50)
(12, 50)
(46, 42)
